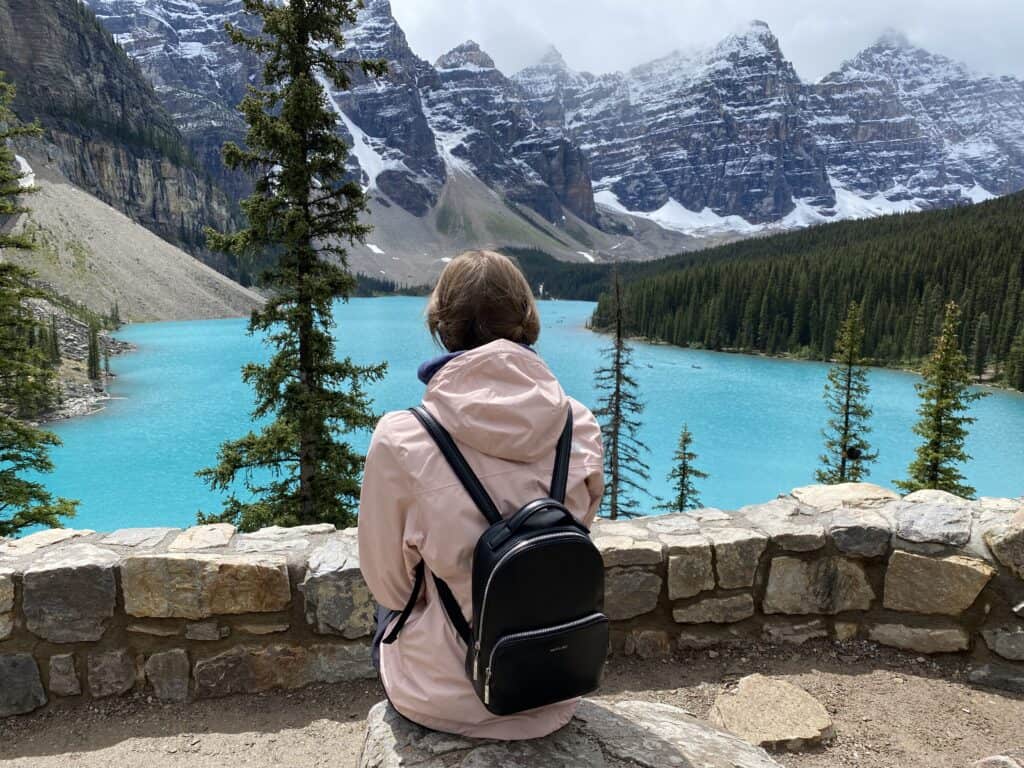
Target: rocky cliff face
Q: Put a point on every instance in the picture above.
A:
(105, 129)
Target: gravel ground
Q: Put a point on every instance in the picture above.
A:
(891, 710)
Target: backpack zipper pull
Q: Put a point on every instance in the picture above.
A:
(487, 687)
(476, 661)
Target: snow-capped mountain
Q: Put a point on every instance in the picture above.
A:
(716, 143)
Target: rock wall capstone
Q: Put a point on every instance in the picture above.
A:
(207, 611)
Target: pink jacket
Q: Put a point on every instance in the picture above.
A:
(505, 410)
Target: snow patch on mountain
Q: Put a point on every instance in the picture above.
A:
(28, 177)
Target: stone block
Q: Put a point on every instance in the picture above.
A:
(251, 670)
(647, 644)
(69, 595)
(111, 673)
(340, 663)
(602, 735)
(737, 555)
(6, 625)
(1007, 642)
(945, 639)
(939, 585)
(846, 630)
(794, 632)
(773, 714)
(199, 586)
(203, 537)
(630, 592)
(850, 495)
(716, 610)
(206, 631)
(690, 568)
(827, 585)
(63, 676)
(6, 590)
(677, 524)
(791, 526)
(168, 674)
(26, 545)
(137, 537)
(22, 690)
(338, 602)
(932, 519)
(862, 532)
(622, 550)
(1007, 544)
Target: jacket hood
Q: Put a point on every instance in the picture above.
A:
(500, 399)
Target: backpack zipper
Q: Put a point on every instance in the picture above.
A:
(531, 633)
(483, 610)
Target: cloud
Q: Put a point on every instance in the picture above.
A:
(816, 35)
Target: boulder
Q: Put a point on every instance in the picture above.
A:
(199, 586)
(934, 517)
(203, 537)
(338, 602)
(624, 734)
(6, 590)
(69, 594)
(26, 545)
(828, 585)
(622, 550)
(1007, 642)
(834, 497)
(168, 673)
(862, 532)
(773, 714)
(716, 610)
(111, 673)
(737, 555)
(1007, 544)
(630, 592)
(939, 585)
(22, 690)
(940, 639)
(690, 569)
(790, 525)
(63, 675)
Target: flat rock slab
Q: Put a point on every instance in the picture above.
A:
(773, 714)
(946, 639)
(863, 532)
(829, 497)
(828, 585)
(622, 550)
(940, 585)
(628, 734)
(203, 537)
(137, 537)
(929, 519)
(716, 610)
(630, 592)
(791, 525)
(35, 541)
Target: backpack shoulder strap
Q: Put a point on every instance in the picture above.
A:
(560, 475)
(459, 465)
(448, 601)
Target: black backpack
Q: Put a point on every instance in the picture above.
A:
(539, 635)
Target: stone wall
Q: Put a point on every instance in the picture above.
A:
(208, 612)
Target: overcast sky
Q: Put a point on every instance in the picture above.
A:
(816, 35)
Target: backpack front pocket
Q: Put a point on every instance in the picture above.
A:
(542, 666)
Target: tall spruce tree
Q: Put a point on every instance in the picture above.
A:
(946, 397)
(847, 450)
(619, 412)
(1015, 362)
(980, 346)
(683, 474)
(298, 468)
(92, 360)
(54, 337)
(26, 381)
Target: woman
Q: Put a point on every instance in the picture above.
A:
(505, 410)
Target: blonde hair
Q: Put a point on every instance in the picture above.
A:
(480, 297)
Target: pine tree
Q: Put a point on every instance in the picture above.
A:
(683, 475)
(847, 450)
(115, 315)
(92, 363)
(945, 399)
(54, 350)
(1015, 362)
(619, 411)
(298, 468)
(26, 382)
(980, 346)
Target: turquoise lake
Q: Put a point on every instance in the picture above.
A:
(756, 421)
